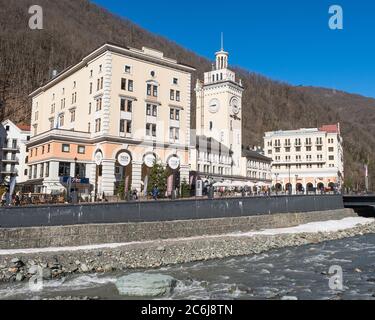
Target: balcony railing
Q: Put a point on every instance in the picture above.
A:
(11, 148)
(9, 171)
(10, 160)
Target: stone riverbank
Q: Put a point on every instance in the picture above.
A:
(155, 254)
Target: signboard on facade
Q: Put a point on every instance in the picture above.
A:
(98, 158)
(149, 160)
(72, 180)
(124, 159)
(174, 162)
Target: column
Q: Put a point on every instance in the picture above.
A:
(137, 175)
(108, 178)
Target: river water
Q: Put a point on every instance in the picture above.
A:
(293, 272)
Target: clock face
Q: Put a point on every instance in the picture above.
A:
(214, 105)
(235, 106)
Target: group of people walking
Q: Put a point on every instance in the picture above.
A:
(16, 200)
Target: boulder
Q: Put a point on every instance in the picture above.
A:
(145, 285)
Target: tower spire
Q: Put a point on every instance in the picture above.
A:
(222, 41)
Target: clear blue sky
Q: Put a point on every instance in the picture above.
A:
(286, 40)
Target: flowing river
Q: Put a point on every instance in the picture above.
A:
(293, 272)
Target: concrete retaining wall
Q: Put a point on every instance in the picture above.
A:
(78, 235)
(164, 210)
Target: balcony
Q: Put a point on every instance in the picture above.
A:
(14, 148)
(308, 144)
(10, 160)
(5, 171)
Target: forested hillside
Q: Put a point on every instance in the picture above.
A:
(72, 28)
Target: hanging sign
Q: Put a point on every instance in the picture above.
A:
(149, 160)
(174, 163)
(124, 159)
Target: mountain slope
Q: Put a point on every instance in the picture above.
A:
(72, 28)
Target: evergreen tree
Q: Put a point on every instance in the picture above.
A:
(158, 177)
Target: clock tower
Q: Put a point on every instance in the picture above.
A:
(219, 108)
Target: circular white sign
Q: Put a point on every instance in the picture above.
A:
(124, 159)
(173, 163)
(98, 158)
(149, 160)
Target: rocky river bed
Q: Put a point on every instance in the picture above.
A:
(94, 266)
(285, 273)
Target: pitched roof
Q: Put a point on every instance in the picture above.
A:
(331, 128)
(24, 127)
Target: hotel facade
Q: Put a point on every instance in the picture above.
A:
(107, 119)
(306, 159)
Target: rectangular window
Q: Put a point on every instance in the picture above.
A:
(101, 83)
(81, 149)
(128, 126)
(98, 123)
(61, 118)
(123, 84)
(72, 116)
(149, 87)
(89, 127)
(129, 106)
(48, 148)
(331, 158)
(128, 69)
(122, 126)
(171, 114)
(130, 85)
(154, 111)
(80, 170)
(64, 169)
(178, 97)
(65, 148)
(41, 173)
(155, 91)
(51, 123)
(148, 110)
(90, 87)
(47, 169)
(123, 104)
(172, 95)
(99, 104)
(150, 130)
(90, 108)
(175, 81)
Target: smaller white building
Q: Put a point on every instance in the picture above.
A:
(306, 160)
(13, 151)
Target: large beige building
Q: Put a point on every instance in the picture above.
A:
(108, 118)
(306, 159)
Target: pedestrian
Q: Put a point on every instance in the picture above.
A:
(155, 193)
(135, 195)
(17, 199)
(4, 199)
